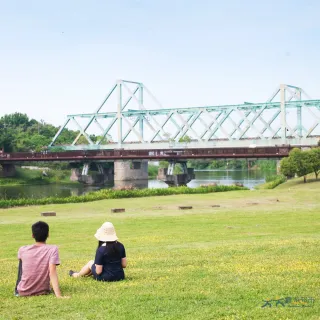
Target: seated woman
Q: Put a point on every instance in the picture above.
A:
(110, 259)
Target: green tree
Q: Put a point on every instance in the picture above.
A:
(163, 164)
(18, 133)
(217, 164)
(15, 120)
(6, 138)
(267, 164)
(198, 164)
(177, 169)
(82, 140)
(106, 140)
(66, 137)
(287, 168)
(185, 139)
(314, 158)
(38, 142)
(301, 163)
(236, 164)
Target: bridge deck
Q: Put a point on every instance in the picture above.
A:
(165, 154)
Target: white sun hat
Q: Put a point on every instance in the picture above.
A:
(106, 232)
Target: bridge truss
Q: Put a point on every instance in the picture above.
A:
(289, 116)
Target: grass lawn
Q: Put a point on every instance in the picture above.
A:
(206, 263)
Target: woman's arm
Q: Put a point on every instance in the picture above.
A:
(99, 269)
(124, 262)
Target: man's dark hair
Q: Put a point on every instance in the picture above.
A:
(40, 231)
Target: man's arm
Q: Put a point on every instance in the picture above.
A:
(18, 277)
(54, 280)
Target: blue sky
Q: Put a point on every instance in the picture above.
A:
(62, 57)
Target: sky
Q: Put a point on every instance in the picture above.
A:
(62, 57)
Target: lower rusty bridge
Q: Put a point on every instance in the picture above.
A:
(157, 154)
(133, 164)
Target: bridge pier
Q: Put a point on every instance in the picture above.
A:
(85, 168)
(75, 174)
(278, 166)
(8, 170)
(167, 174)
(99, 178)
(130, 170)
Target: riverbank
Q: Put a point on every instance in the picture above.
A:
(209, 262)
(117, 194)
(271, 182)
(279, 181)
(36, 177)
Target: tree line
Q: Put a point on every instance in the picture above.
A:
(18, 133)
(301, 163)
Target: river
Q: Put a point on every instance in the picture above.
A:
(225, 177)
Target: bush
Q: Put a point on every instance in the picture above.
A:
(10, 181)
(272, 178)
(117, 194)
(276, 180)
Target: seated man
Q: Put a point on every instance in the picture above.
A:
(37, 265)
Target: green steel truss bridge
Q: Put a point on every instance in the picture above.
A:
(130, 117)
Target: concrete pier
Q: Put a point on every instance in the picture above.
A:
(125, 170)
(181, 179)
(8, 170)
(94, 178)
(75, 174)
(278, 166)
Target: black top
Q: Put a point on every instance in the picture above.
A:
(109, 256)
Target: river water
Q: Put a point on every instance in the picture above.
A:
(224, 177)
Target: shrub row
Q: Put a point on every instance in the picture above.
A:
(275, 182)
(10, 181)
(117, 194)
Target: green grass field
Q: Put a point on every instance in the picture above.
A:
(205, 263)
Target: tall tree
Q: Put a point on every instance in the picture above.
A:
(287, 168)
(314, 158)
(19, 133)
(15, 120)
(301, 163)
(6, 138)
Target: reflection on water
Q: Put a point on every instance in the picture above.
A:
(228, 177)
(247, 178)
(139, 184)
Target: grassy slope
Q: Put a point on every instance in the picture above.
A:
(206, 263)
(298, 183)
(291, 182)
